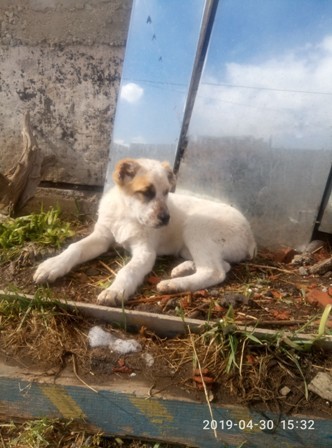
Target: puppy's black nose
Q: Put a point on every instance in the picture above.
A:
(163, 218)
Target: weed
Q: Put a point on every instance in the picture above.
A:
(255, 367)
(56, 433)
(48, 433)
(323, 321)
(44, 228)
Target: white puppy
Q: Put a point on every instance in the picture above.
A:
(141, 215)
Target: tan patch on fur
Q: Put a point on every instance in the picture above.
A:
(127, 175)
(125, 170)
(139, 183)
(170, 174)
(133, 177)
(166, 165)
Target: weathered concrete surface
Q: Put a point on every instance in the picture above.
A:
(62, 61)
(74, 204)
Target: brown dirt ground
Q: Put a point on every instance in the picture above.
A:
(268, 292)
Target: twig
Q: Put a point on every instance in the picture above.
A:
(263, 266)
(144, 300)
(322, 367)
(107, 268)
(2, 441)
(150, 390)
(78, 377)
(247, 316)
(202, 378)
(157, 298)
(241, 358)
(271, 322)
(321, 267)
(318, 249)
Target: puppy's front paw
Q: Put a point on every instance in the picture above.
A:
(112, 297)
(48, 271)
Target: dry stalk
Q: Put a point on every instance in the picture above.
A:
(241, 358)
(273, 268)
(202, 378)
(108, 268)
(78, 377)
(44, 336)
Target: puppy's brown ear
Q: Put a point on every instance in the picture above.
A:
(170, 174)
(125, 171)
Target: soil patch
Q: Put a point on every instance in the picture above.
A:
(274, 291)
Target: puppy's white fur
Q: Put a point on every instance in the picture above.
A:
(141, 215)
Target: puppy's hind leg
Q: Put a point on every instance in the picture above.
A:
(182, 269)
(204, 277)
(210, 270)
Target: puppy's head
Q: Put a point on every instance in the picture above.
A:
(145, 185)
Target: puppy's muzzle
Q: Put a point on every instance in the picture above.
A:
(163, 218)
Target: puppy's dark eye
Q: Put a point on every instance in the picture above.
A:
(148, 193)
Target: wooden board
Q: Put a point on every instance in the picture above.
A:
(125, 409)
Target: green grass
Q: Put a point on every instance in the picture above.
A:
(253, 366)
(56, 433)
(45, 228)
(28, 234)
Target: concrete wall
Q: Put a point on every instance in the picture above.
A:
(62, 61)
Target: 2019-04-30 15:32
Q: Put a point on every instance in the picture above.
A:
(245, 425)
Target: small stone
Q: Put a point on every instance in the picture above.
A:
(234, 299)
(302, 259)
(303, 271)
(284, 391)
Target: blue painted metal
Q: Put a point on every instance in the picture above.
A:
(172, 420)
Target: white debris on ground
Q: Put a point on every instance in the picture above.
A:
(125, 346)
(99, 338)
(322, 385)
(148, 358)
